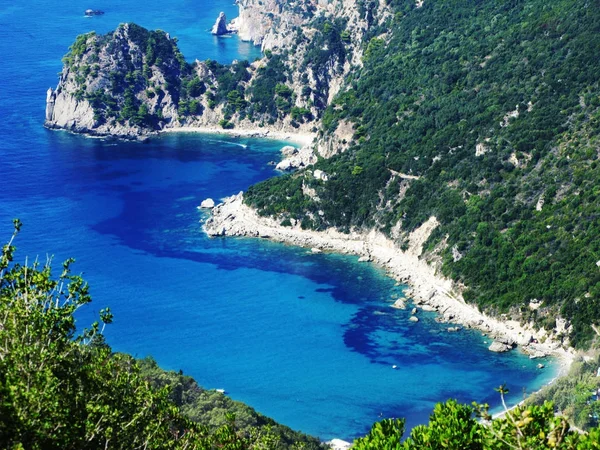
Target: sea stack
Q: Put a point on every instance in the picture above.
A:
(220, 26)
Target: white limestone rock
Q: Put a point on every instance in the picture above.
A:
(208, 203)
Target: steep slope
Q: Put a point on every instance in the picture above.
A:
(484, 115)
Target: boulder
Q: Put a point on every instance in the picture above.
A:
(209, 203)
(288, 150)
(284, 165)
(364, 259)
(320, 175)
(499, 347)
(414, 319)
(220, 26)
(399, 304)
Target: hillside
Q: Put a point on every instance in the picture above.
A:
(483, 114)
(133, 82)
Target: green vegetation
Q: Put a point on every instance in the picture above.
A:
(60, 389)
(455, 426)
(575, 395)
(515, 82)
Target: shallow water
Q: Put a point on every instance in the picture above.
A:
(307, 339)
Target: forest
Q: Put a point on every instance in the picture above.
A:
(492, 107)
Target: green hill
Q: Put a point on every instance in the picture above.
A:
(493, 106)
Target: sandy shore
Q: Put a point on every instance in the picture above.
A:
(297, 138)
(428, 289)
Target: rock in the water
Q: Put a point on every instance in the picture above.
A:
(453, 329)
(220, 26)
(540, 366)
(316, 250)
(209, 203)
(399, 304)
(288, 150)
(499, 347)
(414, 311)
(413, 319)
(364, 259)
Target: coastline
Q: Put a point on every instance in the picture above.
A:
(302, 139)
(428, 289)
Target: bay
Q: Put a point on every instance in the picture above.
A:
(307, 339)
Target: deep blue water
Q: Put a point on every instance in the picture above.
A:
(307, 339)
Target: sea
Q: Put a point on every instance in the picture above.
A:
(308, 339)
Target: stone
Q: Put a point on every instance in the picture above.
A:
(284, 165)
(399, 304)
(288, 150)
(499, 347)
(364, 259)
(414, 311)
(220, 26)
(209, 203)
(320, 175)
(414, 319)
(316, 250)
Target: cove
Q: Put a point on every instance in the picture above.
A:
(307, 339)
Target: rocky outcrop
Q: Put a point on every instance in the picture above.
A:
(120, 84)
(257, 18)
(220, 27)
(297, 159)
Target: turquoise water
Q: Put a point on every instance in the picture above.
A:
(307, 339)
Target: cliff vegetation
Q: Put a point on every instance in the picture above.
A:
(485, 115)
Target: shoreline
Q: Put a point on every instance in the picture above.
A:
(302, 139)
(428, 290)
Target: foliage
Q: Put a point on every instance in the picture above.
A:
(516, 83)
(60, 389)
(455, 426)
(575, 395)
(212, 409)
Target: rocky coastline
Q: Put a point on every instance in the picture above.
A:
(428, 290)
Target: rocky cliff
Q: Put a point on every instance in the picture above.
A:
(133, 82)
(124, 84)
